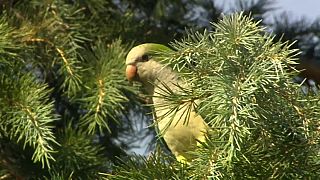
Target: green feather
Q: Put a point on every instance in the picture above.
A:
(162, 54)
(155, 48)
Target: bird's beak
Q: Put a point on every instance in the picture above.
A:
(131, 72)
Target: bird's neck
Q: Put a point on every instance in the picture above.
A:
(161, 79)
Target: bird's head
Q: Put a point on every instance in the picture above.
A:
(142, 64)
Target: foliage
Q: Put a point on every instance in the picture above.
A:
(261, 125)
(78, 156)
(67, 111)
(59, 83)
(154, 166)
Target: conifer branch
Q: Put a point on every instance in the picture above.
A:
(29, 119)
(72, 77)
(105, 100)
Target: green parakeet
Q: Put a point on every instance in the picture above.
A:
(180, 137)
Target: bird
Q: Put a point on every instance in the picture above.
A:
(142, 65)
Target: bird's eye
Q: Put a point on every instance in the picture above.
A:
(144, 58)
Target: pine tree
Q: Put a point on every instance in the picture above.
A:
(65, 104)
(67, 111)
(261, 125)
(62, 90)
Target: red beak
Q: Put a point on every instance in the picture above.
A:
(131, 72)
